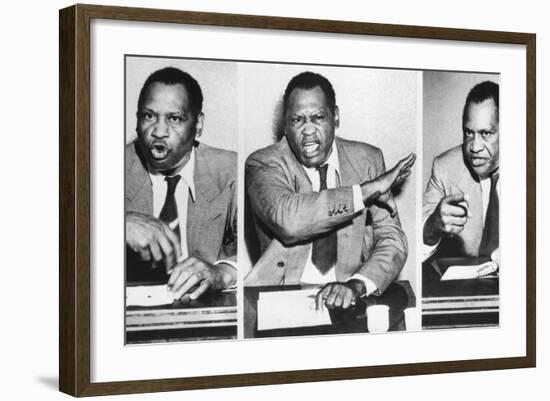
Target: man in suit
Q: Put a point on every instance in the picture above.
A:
(181, 195)
(461, 202)
(322, 204)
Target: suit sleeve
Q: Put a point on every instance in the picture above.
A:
(294, 217)
(432, 196)
(435, 191)
(389, 243)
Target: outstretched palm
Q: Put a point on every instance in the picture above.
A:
(396, 175)
(379, 188)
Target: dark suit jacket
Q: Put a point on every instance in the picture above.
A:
(290, 215)
(449, 176)
(211, 218)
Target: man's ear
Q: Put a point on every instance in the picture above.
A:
(199, 124)
(336, 117)
(137, 122)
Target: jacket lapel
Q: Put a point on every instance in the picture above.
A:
(302, 184)
(297, 255)
(139, 191)
(204, 209)
(473, 230)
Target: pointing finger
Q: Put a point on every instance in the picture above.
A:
(155, 251)
(174, 241)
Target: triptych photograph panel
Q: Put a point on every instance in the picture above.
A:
(265, 199)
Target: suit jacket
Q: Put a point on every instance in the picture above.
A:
(290, 215)
(211, 218)
(450, 175)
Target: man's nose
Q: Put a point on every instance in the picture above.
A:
(476, 145)
(309, 128)
(160, 129)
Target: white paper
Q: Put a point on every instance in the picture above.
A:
(148, 295)
(286, 309)
(469, 272)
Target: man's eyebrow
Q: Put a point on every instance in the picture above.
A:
(169, 113)
(315, 111)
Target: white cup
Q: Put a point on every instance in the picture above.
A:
(413, 319)
(378, 318)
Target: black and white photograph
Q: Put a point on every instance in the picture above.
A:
(340, 233)
(330, 209)
(460, 205)
(180, 200)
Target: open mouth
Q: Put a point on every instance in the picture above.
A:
(159, 150)
(479, 161)
(311, 149)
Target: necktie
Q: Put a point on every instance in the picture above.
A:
(323, 254)
(169, 212)
(489, 239)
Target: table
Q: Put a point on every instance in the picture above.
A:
(212, 317)
(398, 296)
(458, 303)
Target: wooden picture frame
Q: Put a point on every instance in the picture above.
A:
(75, 199)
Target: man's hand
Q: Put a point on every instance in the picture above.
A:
(448, 218)
(377, 190)
(193, 277)
(339, 294)
(152, 239)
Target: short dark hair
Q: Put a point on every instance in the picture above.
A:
(173, 76)
(480, 93)
(310, 80)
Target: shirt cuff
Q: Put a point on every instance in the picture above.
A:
(233, 265)
(370, 287)
(357, 198)
(429, 250)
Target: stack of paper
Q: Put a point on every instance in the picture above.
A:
(287, 309)
(148, 295)
(469, 272)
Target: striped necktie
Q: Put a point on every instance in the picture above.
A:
(169, 212)
(324, 250)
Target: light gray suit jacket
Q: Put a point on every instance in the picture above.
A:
(212, 216)
(450, 176)
(290, 215)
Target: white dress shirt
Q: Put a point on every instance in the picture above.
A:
(185, 187)
(429, 250)
(312, 275)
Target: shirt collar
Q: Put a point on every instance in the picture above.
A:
(333, 160)
(496, 172)
(187, 173)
